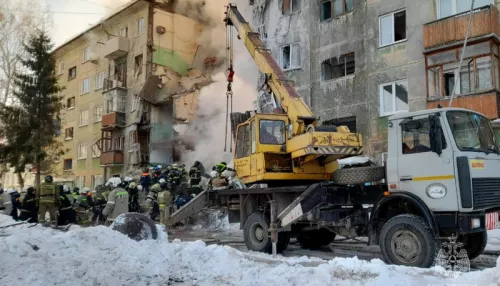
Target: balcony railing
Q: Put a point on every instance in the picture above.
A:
(115, 48)
(112, 158)
(115, 81)
(113, 120)
(485, 103)
(452, 29)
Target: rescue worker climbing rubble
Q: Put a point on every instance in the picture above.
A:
(117, 202)
(48, 200)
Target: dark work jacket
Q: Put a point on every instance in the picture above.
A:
(28, 208)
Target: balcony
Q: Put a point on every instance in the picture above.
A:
(453, 29)
(485, 103)
(115, 48)
(112, 158)
(113, 120)
(116, 81)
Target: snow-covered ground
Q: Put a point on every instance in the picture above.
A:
(100, 256)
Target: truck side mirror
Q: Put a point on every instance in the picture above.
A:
(435, 134)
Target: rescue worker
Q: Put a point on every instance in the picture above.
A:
(133, 195)
(82, 205)
(195, 175)
(28, 207)
(98, 207)
(143, 193)
(145, 179)
(76, 193)
(48, 200)
(66, 212)
(117, 202)
(15, 203)
(152, 201)
(164, 201)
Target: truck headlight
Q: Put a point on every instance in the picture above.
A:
(436, 191)
(475, 223)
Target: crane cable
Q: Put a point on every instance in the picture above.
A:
(229, 92)
(462, 55)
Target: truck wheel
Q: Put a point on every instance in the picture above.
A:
(476, 243)
(315, 239)
(407, 240)
(358, 175)
(257, 238)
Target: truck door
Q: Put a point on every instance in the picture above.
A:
(419, 168)
(242, 152)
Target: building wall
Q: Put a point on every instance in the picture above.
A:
(71, 55)
(357, 31)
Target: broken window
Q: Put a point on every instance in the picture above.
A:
(326, 10)
(338, 67)
(70, 103)
(290, 6)
(243, 141)
(68, 164)
(138, 65)
(393, 97)
(392, 28)
(72, 73)
(338, 8)
(272, 132)
(68, 133)
(290, 56)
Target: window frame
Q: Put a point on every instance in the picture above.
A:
(68, 107)
(138, 66)
(84, 118)
(82, 89)
(82, 151)
(99, 83)
(238, 147)
(69, 73)
(64, 164)
(66, 137)
(85, 54)
(125, 28)
(284, 132)
(343, 56)
(140, 26)
(393, 33)
(61, 67)
(453, 9)
(291, 57)
(96, 117)
(424, 119)
(382, 112)
(291, 12)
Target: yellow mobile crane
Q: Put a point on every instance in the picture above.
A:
(287, 146)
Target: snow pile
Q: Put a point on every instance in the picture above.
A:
(493, 240)
(100, 256)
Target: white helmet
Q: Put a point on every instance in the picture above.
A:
(84, 191)
(10, 191)
(114, 182)
(162, 181)
(159, 166)
(66, 189)
(128, 179)
(140, 188)
(213, 174)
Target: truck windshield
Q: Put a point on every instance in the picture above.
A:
(472, 132)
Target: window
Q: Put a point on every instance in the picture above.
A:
(99, 80)
(243, 141)
(290, 56)
(124, 32)
(68, 133)
(82, 151)
(96, 181)
(472, 132)
(98, 113)
(80, 181)
(326, 10)
(337, 68)
(61, 67)
(272, 132)
(72, 73)
(254, 137)
(416, 137)
(290, 6)
(392, 28)
(135, 104)
(477, 73)
(133, 140)
(70, 103)
(446, 8)
(140, 26)
(339, 7)
(261, 30)
(85, 54)
(393, 97)
(68, 164)
(84, 118)
(85, 86)
(138, 65)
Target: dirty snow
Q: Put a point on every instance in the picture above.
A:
(493, 240)
(100, 256)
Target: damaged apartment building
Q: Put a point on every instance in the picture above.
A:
(127, 80)
(356, 62)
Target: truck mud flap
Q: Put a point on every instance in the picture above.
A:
(191, 208)
(307, 201)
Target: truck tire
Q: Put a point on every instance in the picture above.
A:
(358, 175)
(315, 239)
(407, 240)
(476, 243)
(257, 238)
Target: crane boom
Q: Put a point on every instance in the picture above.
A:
(297, 110)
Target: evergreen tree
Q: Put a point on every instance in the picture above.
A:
(30, 126)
